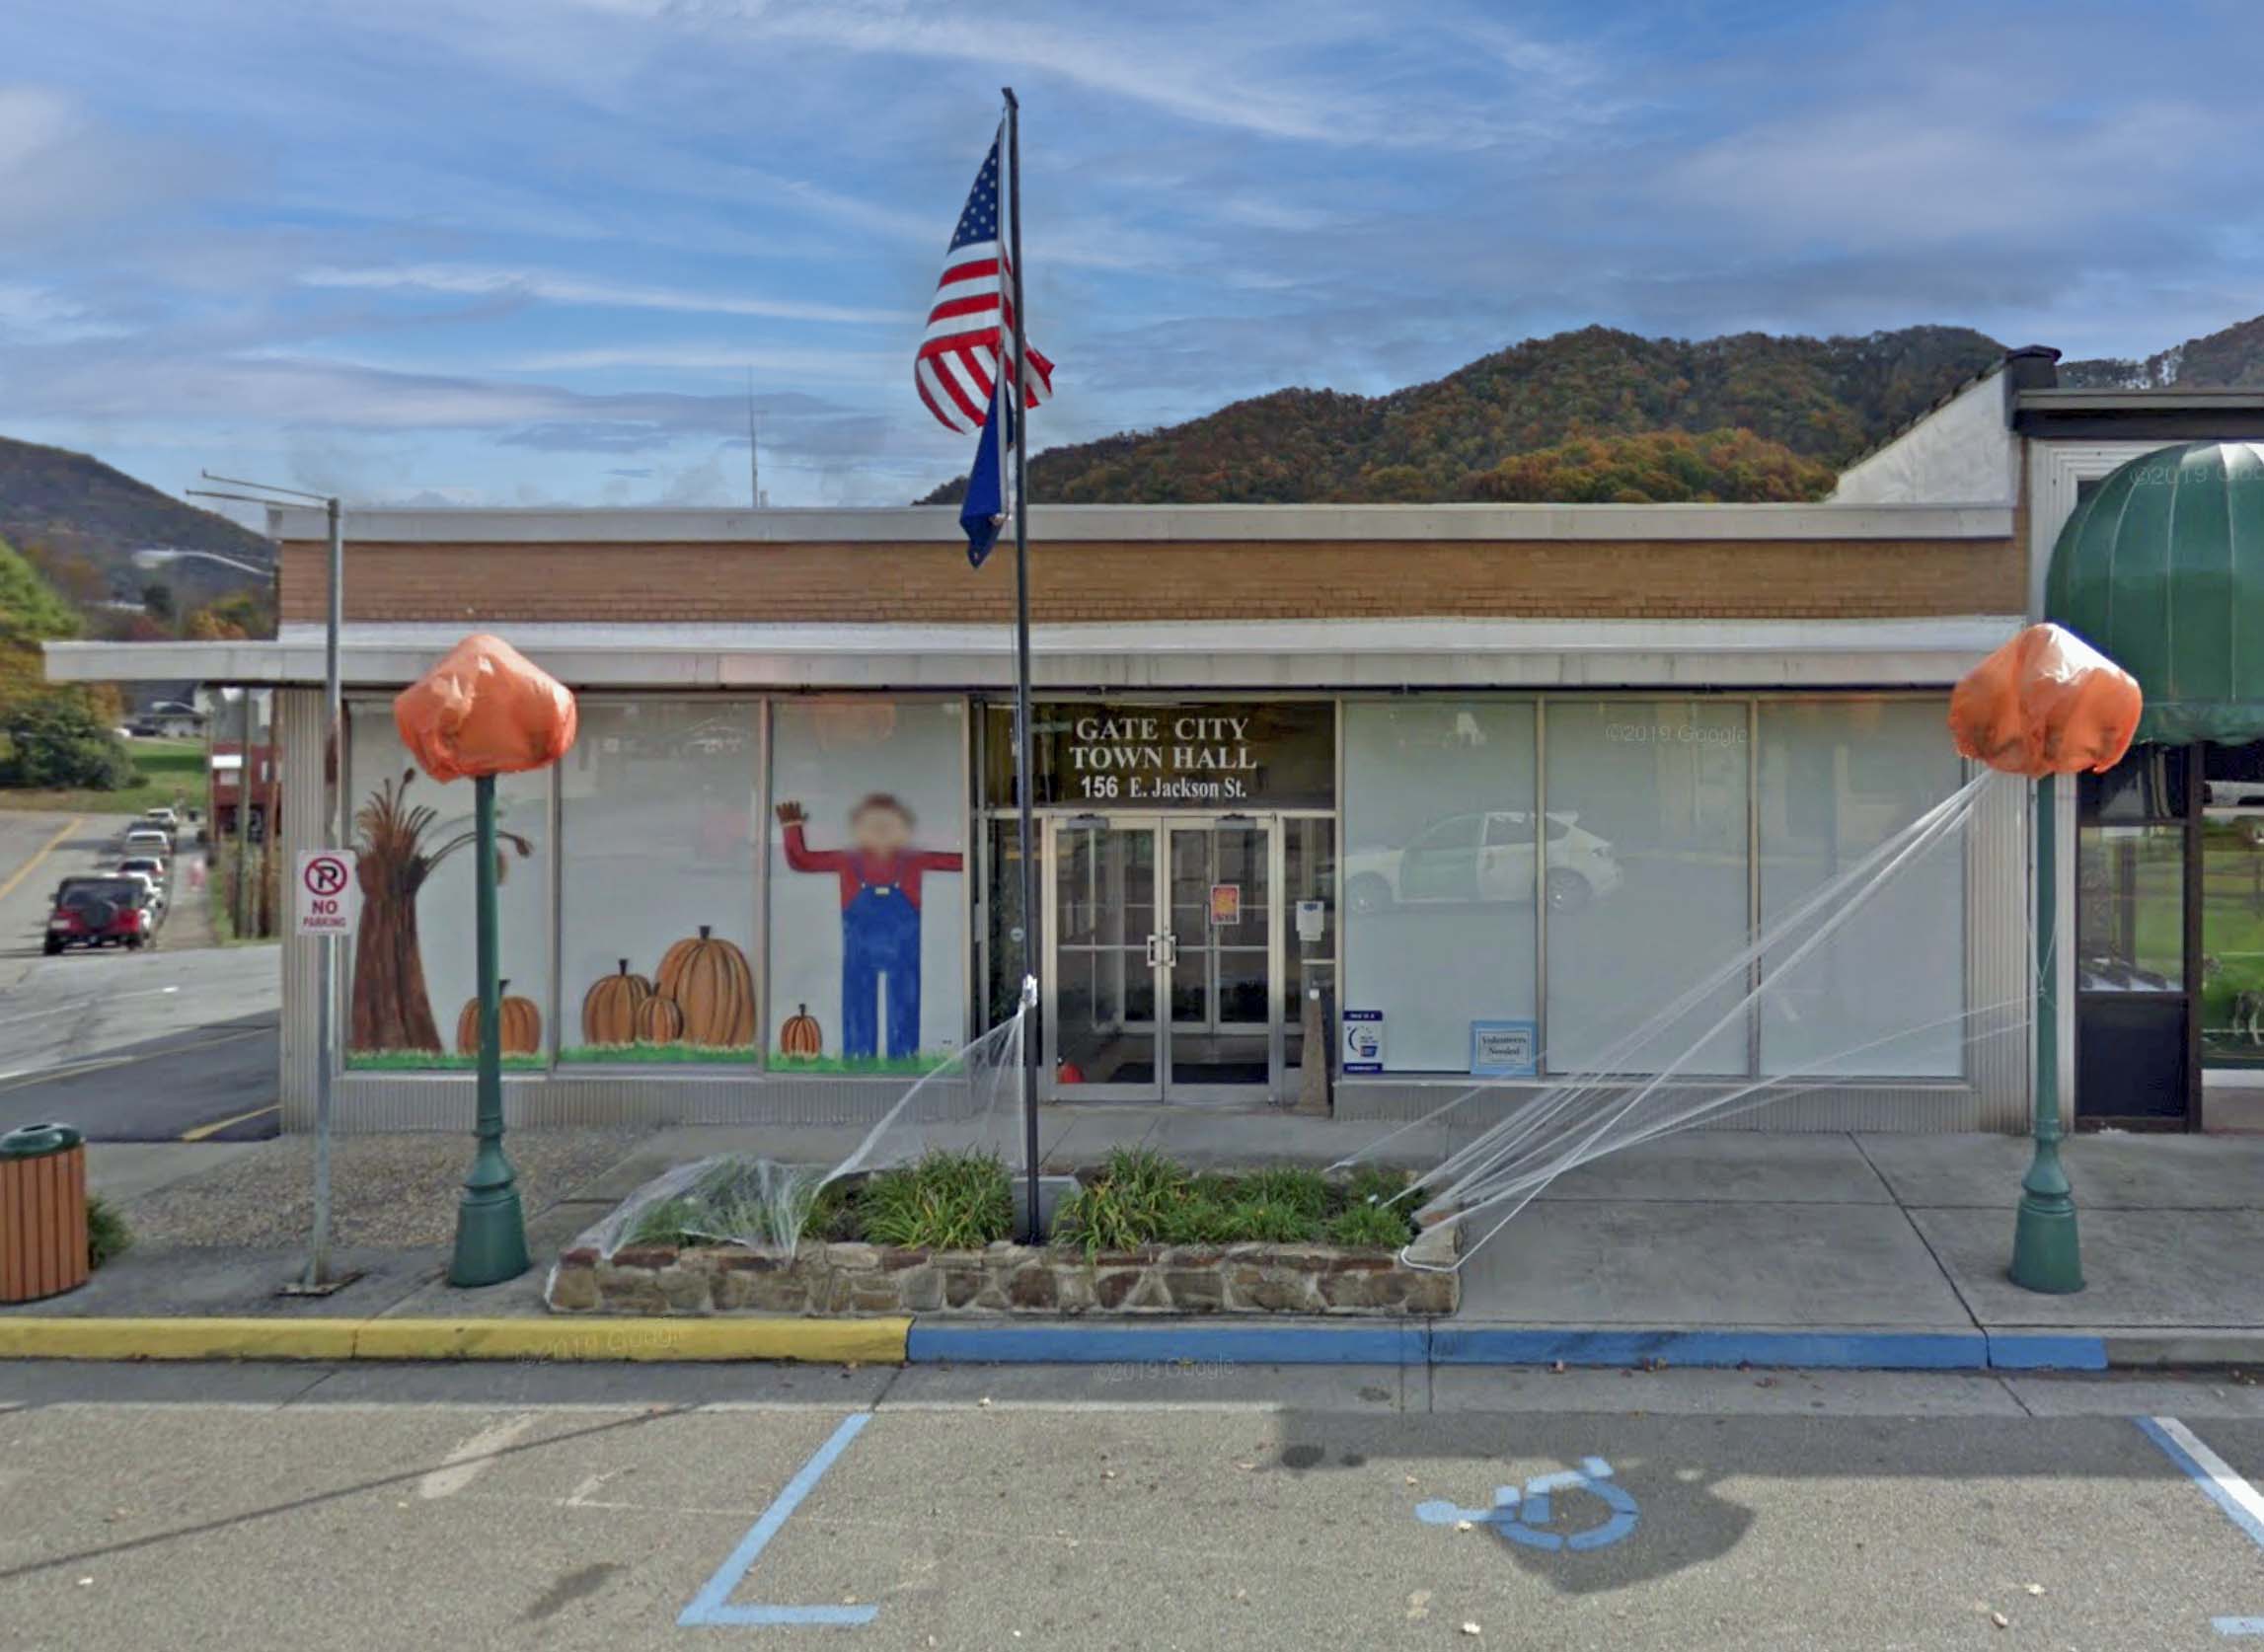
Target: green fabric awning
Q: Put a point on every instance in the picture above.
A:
(2161, 569)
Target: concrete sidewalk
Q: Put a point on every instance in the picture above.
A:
(1828, 1249)
(1909, 1234)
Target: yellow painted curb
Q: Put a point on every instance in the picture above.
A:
(868, 1341)
(878, 1341)
(177, 1339)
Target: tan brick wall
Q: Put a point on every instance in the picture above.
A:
(1100, 581)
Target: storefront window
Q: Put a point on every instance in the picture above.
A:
(1001, 947)
(656, 904)
(415, 993)
(1439, 874)
(2130, 909)
(1839, 779)
(2232, 906)
(867, 954)
(1647, 885)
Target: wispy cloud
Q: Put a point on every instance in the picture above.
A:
(494, 251)
(552, 287)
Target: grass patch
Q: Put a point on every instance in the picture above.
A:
(884, 1065)
(169, 768)
(431, 1061)
(948, 1201)
(1142, 1198)
(737, 1200)
(108, 1236)
(963, 1201)
(659, 1055)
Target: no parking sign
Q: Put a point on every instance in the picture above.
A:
(329, 894)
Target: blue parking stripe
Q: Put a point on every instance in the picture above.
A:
(2199, 1473)
(712, 1607)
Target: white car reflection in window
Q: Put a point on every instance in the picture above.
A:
(1482, 857)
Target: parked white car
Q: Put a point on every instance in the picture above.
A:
(1484, 857)
(152, 888)
(149, 840)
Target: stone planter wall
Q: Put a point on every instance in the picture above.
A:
(1008, 1279)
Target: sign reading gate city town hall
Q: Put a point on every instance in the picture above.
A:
(1133, 754)
(1161, 757)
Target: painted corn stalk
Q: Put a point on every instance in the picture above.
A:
(391, 1009)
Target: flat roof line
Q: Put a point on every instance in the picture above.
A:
(1154, 524)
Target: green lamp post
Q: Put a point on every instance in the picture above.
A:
(491, 1223)
(2046, 1255)
(486, 709)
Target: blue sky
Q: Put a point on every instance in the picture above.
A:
(509, 252)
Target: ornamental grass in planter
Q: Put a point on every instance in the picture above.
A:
(1143, 1234)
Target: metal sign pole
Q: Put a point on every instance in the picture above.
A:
(326, 1029)
(1012, 407)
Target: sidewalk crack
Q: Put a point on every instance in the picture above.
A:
(1947, 1278)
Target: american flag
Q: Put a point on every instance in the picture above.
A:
(959, 356)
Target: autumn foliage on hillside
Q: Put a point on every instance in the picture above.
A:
(1771, 418)
(1663, 467)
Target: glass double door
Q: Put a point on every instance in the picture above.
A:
(1165, 964)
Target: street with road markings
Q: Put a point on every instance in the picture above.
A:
(1122, 1507)
(176, 1041)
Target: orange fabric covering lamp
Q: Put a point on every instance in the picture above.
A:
(2046, 704)
(486, 709)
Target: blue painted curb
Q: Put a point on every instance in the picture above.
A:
(2045, 1351)
(1091, 1342)
(1811, 1350)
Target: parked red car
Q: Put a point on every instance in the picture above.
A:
(99, 912)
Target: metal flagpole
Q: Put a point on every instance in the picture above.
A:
(1016, 413)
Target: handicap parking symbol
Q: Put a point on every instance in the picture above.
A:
(1518, 1515)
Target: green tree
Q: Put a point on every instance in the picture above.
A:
(239, 614)
(58, 741)
(30, 612)
(157, 600)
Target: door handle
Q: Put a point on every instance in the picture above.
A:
(1155, 951)
(1163, 949)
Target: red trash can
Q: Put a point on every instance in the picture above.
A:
(42, 1211)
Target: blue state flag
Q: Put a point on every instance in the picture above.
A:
(984, 512)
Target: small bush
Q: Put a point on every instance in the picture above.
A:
(664, 1221)
(1365, 1227)
(57, 740)
(108, 1236)
(1200, 1220)
(1104, 1216)
(1298, 1190)
(1274, 1222)
(948, 1201)
(1371, 1184)
(834, 1218)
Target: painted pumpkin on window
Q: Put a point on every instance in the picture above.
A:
(801, 1039)
(711, 983)
(519, 1028)
(609, 1007)
(659, 1021)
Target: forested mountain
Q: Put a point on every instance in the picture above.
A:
(77, 516)
(2232, 359)
(1772, 417)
